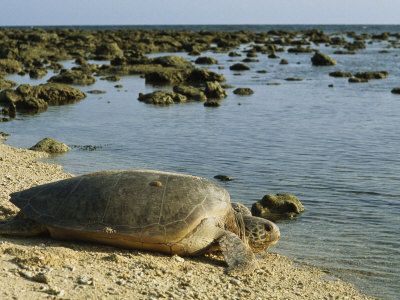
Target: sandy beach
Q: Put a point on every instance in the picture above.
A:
(37, 268)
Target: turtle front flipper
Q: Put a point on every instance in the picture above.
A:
(238, 256)
(20, 225)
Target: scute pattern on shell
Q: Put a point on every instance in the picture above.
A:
(126, 203)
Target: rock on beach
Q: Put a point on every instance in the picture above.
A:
(51, 146)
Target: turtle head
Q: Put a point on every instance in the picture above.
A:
(260, 233)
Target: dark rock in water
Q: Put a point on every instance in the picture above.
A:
(36, 98)
(227, 86)
(190, 92)
(273, 56)
(320, 59)
(96, 92)
(30, 104)
(372, 75)
(341, 52)
(340, 74)
(356, 45)
(194, 53)
(80, 61)
(234, 54)
(214, 90)
(205, 60)
(58, 94)
(113, 78)
(300, 50)
(262, 71)
(212, 103)
(107, 51)
(239, 67)
(37, 73)
(118, 86)
(330, 85)
(55, 66)
(50, 145)
(162, 98)
(243, 91)
(202, 76)
(293, 79)
(222, 177)
(172, 61)
(251, 54)
(9, 66)
(277, 207)
(167, 76)
(86, 147)
(250, 60)
(6, 84)
(73, 77)
(358, 80)
(273, 83)
(283, 62)
(396, 91)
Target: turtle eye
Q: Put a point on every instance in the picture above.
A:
(267, 227)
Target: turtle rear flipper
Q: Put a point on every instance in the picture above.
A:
(20, 225)
(238, 256)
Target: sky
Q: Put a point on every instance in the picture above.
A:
(161, 12)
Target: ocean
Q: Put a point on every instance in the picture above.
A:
(335, 148)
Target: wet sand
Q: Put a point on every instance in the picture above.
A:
(36, 268)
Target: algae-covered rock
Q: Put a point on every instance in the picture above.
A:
(234, 54)
(205, 60)
(202, 76)
(340, 74)
(113, 78)
(395, 91)
(6, 84)
(50, 145)
(294, 79)
(10, 66)
(277, 207)
(35, 99)
(162, 98)
(107, 51)
(214, 90)
(192, 93)
(31, 104)
(172, 61)
(58, 94)
(167, 76)
(300, 50)
(37, 73)
(212, 103)
(239, 67)
(358, 80)
(320, 59)
(76, 77)
(243, 91)
(372, 75)
(223, 177)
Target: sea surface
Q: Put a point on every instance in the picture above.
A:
(335, 148)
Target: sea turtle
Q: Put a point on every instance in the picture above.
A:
(139, 209)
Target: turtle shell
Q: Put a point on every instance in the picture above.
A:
(149, 206)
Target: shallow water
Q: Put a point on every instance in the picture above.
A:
(337, 149)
